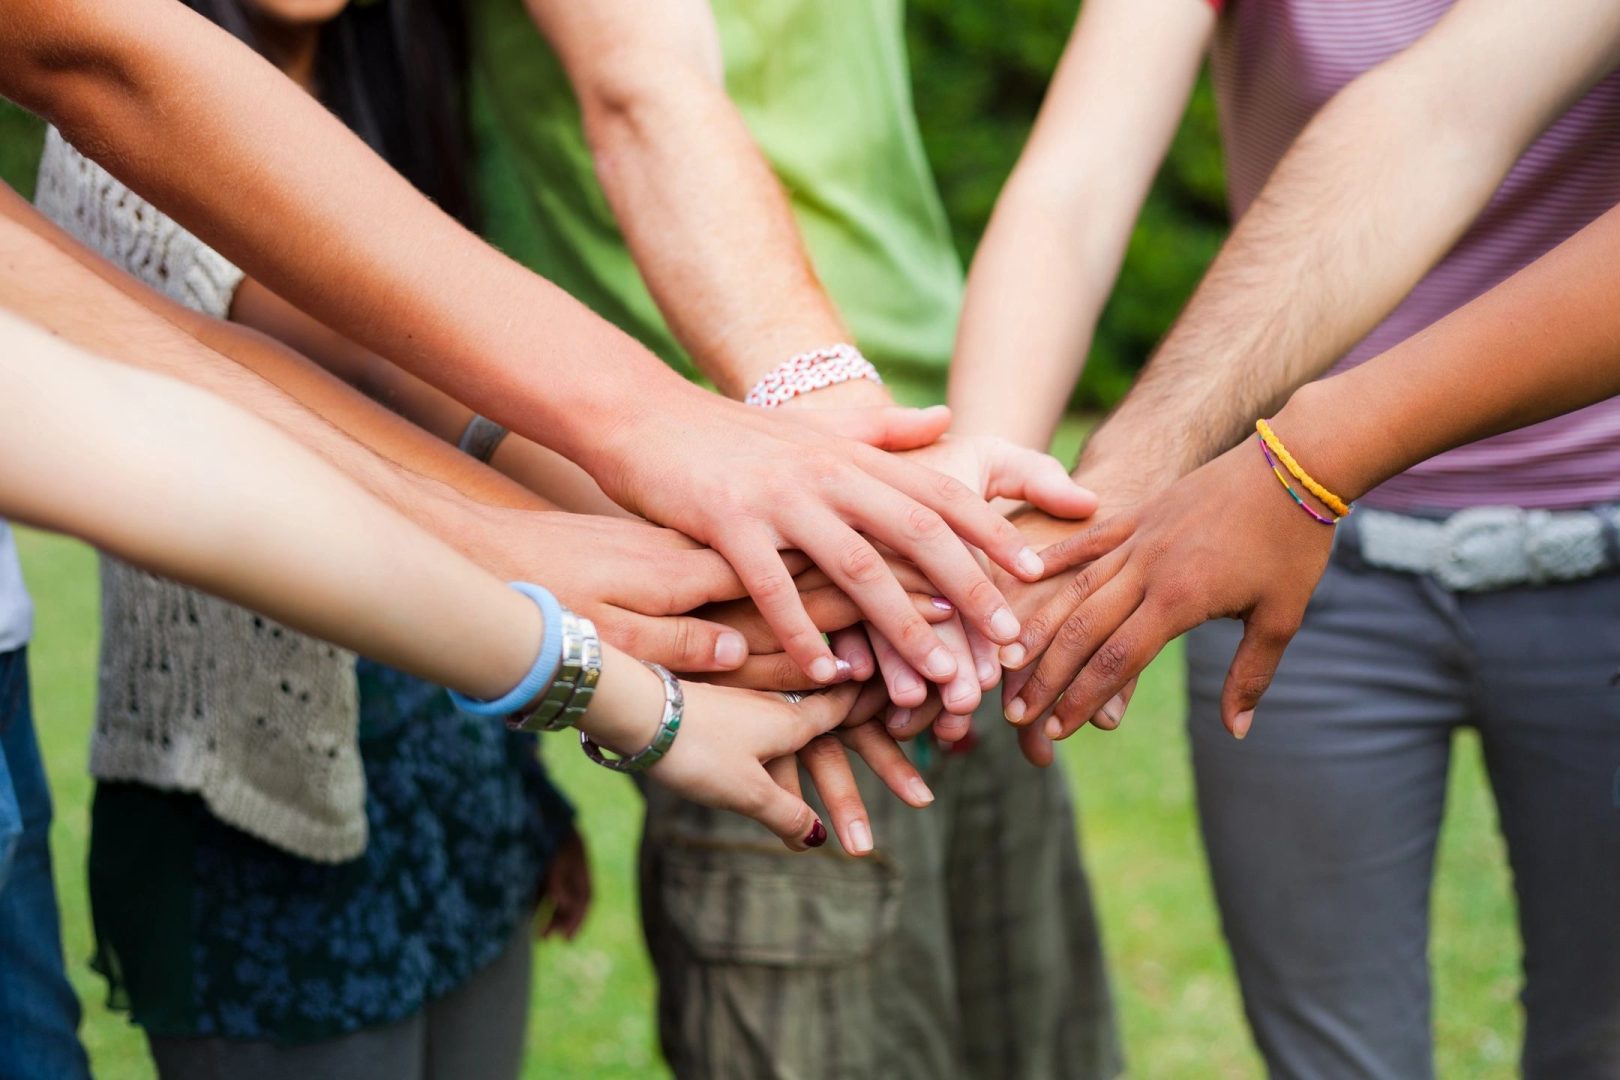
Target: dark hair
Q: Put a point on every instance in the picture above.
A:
(395, 72)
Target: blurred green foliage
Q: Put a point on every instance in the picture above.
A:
(980, 71)
(21, 136)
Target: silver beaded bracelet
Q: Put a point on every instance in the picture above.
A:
(669, 725)
(570, 692)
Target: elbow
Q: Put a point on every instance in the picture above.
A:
(628, 94)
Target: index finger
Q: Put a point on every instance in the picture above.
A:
(760, 567)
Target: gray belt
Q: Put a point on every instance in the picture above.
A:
(1493, 547)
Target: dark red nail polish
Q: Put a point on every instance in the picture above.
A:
(817, 837)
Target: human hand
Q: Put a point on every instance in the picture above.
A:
(826, 760)
(1221, 542)
(637, 582)
(565, 891)
(749, 485)
(997, 469)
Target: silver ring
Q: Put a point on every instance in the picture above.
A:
(792, 697)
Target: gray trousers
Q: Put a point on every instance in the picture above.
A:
(966, 946)
(1320, 828)
(472, 1033)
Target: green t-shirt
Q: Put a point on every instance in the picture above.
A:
(824, 87)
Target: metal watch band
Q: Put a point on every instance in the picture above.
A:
(577, 671)
(669, 725)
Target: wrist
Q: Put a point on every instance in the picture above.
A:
(1313, 425)
(625, 713)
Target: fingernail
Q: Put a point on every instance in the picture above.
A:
(860, 838)
(958, 699)
(920, 792)
(1014, 711)
(1030, 563)
(941, 603)
(906, 682)
(986, 670)
(1115, 709)
(730, 650)
(1054, 728)
(1013, 655)
(817, 835)
(844, 669)
(1004, 625)
(938, 664)
(898, 719)
(1241, 722)
(824, 669)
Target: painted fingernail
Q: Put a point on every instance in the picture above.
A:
(986, 670)
(1013, 655)
(1014, 711)
(1054, 728)
(730, 650)
(1241, 722)
(1030, 564)
(1004, 625)
(824, 669)
(1115, 710)
(941, 603)
(898, 719)
(844, 668)
(938, 664)
(920, 792)
(860, 837)
(817, 835)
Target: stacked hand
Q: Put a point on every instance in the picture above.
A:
(1224, 541)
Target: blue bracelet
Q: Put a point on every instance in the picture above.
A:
(539, 676)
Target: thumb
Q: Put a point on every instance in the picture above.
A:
(816, 715)
(785, 814)
(1017, 472)
(1253, 667)
(679, 642)
(887, 427)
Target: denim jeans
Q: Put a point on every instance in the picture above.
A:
(39, 1015)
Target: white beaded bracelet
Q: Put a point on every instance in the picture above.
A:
(813, 370)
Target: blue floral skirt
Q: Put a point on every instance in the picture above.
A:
(203, 930)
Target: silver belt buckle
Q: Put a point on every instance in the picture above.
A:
(1484, 547)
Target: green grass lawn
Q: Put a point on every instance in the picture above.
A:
(592, 1012)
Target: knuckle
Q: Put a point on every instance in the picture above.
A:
(1111, 659)
(1252, 686)
(683, 646)
(924, 525)
(949, 490)
(982, 595)
(1075, 633)
(861, 563)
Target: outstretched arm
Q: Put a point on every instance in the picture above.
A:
(1227, 541)
(276, 185)
(1054, 245)
(1375, 190)
(110, 454)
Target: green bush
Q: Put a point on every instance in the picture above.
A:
(980, 71)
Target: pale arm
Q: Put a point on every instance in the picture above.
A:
(1375, 190)
(276, 185)
(1053, 249)
(110, 454)
(702, 212)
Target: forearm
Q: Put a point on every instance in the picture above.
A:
(1545, 342)
(177, 481)
(1377, 188)
(703, 214)
(144, 83)
(1057, 238)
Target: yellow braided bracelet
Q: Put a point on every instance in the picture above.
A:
(1326, 497)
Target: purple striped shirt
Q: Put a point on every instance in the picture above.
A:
(1277, 62)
